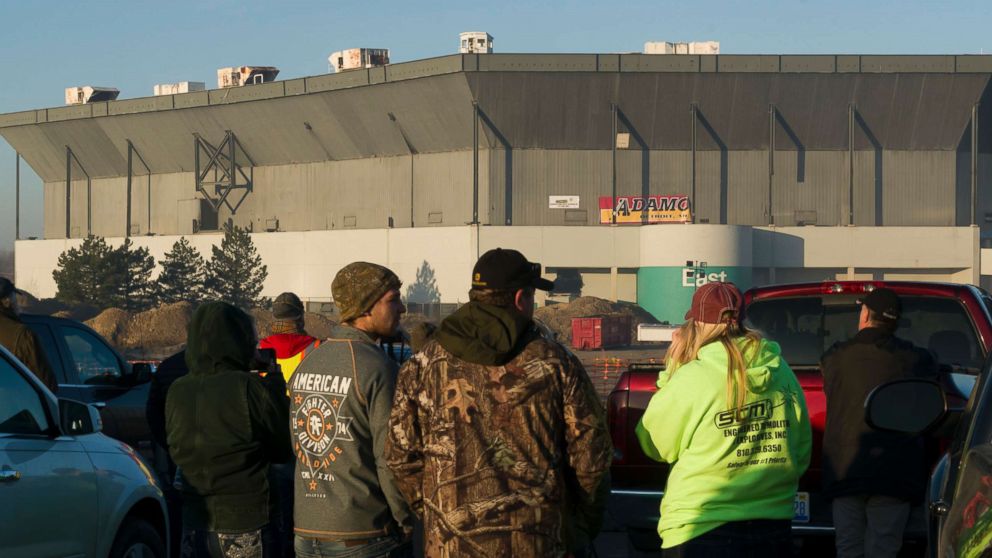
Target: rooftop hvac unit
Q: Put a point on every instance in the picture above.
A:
(357, 58)
(177, 88)
(245, 75)
(662, 47)
(475, 42)
(89, 94)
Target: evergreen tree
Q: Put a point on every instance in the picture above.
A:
(424, 289)
(236, 273)
(132, 277)
(87, 274)
(183, 274)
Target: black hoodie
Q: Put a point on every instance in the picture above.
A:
(226, 425)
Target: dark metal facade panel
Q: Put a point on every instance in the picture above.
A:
(428, 115)
(442, 189)
(898, 111)
(543, 63)
(848, 63)
(656, 63)
(19, 118)
(377, 75)
(143, 104)
(973, 63)
(747, 63)
(747, 188)
(608, 62)
(919, 188)
(809, 63)
(896, 63)
(194, 99)
(342, 80)
(424, 68)
(295, 86)
(72, 112)
(255, 92)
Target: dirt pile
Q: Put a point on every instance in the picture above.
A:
(558, 317)
(316, 325)
(161, 331)
(160, 328)
(112, 324)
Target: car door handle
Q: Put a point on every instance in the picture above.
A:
(939, 507)
(8, 475)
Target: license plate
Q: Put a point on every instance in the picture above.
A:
(800, 507)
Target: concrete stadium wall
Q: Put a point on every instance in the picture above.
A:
(643, 264)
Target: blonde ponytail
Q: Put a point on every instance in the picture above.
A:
(693, 336)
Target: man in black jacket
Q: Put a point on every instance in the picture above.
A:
(225, 427)
(872, 476)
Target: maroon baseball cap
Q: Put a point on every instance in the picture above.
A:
(712, 300)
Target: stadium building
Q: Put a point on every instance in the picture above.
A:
(629, 176)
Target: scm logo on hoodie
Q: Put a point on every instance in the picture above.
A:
(757, 411)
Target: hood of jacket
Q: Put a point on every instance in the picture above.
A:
(484, 334)
(220, 337)
(762, 359)
(287, 345)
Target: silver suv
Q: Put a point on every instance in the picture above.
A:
(67, 489)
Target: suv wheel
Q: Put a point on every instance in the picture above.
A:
(137, 539)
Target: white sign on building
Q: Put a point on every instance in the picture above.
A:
(563, 202)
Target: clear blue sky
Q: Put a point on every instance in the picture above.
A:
(46, 46)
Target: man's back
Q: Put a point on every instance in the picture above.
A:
(339, 405)
(858, 459)
(513, 456)
(23, 344)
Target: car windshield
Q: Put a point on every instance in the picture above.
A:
(807, 326)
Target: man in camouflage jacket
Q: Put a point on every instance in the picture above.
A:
(497, 437)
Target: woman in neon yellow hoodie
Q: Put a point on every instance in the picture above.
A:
(731, 418)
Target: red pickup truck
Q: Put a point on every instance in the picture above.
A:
(953, 321)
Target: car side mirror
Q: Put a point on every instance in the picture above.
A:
(908, 406)
(141, 373)
(77, 419)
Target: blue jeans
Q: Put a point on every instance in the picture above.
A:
(259, 543)
(379, 547)
(757, 538)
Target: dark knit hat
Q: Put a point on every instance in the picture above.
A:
(359, 285)
(287, 306)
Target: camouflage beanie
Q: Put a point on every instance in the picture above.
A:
(359, 285)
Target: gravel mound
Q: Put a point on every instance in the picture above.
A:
(558, 317)
(160, 327)
(112, 324)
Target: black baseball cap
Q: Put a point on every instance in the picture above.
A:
(7, 288)
(508, 269)
(883, 302)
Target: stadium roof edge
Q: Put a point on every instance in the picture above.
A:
(605, 63)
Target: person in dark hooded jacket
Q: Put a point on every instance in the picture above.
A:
(497, 437)
(225, 427)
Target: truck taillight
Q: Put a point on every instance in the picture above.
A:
(616, 417)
